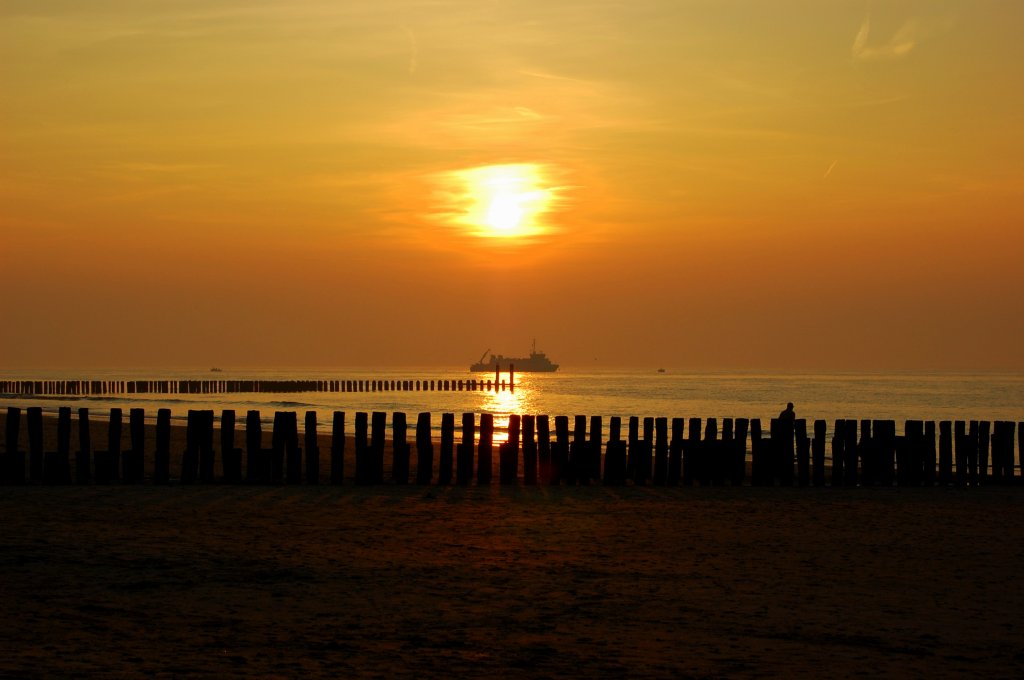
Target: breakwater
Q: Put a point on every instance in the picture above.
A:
(51, 388)
(534, 449)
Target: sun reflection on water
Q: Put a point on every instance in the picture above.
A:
(520, 400)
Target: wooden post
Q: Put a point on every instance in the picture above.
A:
(884, 447)
(560, 451)
(660, 451)
(529, 450)
(928, 454)
(364, 474)
(869, 464)
(338, 448)
(803, 452)
(972, 451)
(509, 453)
(113, 444)
(647, 450)
(594, 447)
(14, 458)
(57, 464)
(1020, 451)
(984, 439)
(162, 455)
(760, 459)
(485, 451)
(312, 449)
(424, 450)
(464, 453)
(293, 454)
(633, 450)
(256, 462)
(709, 453)
(739, 454)
(615, 456)
(960, 448)
(35, 444)
(190, 457)
(909, 455)
(783, 444)
(378, 429)
(134, 460)
(838, 453)
(400, 450)
(723, 453)
(444, 472)
(578, 466)
(692, 457)
(83, 457)
(1002, 452)
(230, 456)
(278, 434)
(675, 452)
(850, 451)
(818, 453)
(544, 449)
(945, 453)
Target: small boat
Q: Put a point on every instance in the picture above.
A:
(661, 370)
(215, 370)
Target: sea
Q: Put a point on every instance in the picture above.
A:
(612, 392)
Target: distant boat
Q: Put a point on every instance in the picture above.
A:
(537, 362)
(661, 370)
(215, 370)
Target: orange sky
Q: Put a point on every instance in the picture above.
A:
(800, 184)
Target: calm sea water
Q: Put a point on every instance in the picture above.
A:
(896, 396)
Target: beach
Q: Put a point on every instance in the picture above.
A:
(408, 581)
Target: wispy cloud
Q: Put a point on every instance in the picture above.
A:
(900, 44)
(414, 50)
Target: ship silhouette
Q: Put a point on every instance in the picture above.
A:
(537, 362)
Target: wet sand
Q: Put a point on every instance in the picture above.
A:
(220, 581)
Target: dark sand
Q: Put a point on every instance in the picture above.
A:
(534, 582)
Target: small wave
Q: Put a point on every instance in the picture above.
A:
(291, 404)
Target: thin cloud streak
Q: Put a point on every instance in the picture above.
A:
(899, 45)
(414, 50)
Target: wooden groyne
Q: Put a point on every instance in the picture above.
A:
(86, 388)
(656, 451)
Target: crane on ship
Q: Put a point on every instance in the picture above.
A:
(484, 355)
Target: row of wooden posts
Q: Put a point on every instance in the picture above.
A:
(655, 451)
(116, 387)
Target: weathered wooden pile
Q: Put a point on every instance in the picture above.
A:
(656, 451)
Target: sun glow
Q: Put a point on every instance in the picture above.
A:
(500, 201)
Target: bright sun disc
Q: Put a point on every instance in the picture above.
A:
(503, 212)
(499, 201)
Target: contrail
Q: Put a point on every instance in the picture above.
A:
(830, 168)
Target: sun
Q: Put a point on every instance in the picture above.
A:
(505, 212)
(509, 201)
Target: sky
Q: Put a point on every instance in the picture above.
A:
(703, 184)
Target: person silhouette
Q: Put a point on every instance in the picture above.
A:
(788, 413)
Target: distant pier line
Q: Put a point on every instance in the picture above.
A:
(87, 388)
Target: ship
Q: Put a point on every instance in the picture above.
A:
(537, 362)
